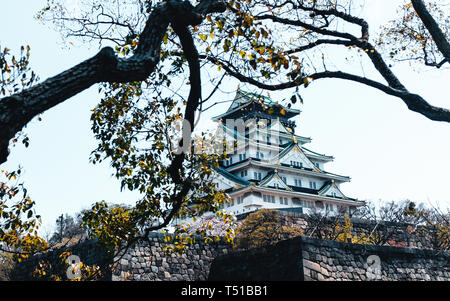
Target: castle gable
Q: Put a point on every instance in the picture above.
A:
(331, 190)
(274, 181)
(293, 156)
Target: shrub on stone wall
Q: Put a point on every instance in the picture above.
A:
(263, 227)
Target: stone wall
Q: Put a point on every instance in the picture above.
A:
(300, 258)
(145, 261)
(148, 261)
(88, 251)
(303, 258)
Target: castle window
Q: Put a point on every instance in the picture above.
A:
(298, 183)
(308, 204)
(283, 200)
(296, 164)
(329, 207)
(268, 198)
(312, 185)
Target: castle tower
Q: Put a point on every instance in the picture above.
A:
(268, 165)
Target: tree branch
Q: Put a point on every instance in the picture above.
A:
(433, 28)
(17, 110)
(413, 101)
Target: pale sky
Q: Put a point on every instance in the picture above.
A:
(389, 152)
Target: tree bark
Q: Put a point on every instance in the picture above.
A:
(433, 28)
(18, 109)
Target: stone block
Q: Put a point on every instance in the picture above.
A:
(324, 272)
(311, 265)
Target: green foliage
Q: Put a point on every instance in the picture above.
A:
(16, 76)
(59, 270)
(18, 220)
(139, 131)
(111, 225)
(15, 72)
(344, 233)
(263, 227)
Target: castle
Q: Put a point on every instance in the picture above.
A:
(268, 166)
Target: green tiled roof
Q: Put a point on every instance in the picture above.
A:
(232, 177)
(256, 97)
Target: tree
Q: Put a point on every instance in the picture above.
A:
(169, 179)
(18, 220)
(133, 121)
(427, 225)
(263, 227)
(252, 51)
(67, 227)
(419, 34)
(288, 44)
(210, 228)
(431, 226)
(19, 108)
